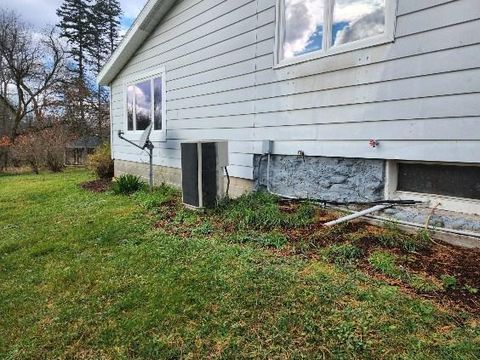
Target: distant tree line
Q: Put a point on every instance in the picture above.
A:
(49, 77)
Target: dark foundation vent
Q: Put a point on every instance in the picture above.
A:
(461, 181)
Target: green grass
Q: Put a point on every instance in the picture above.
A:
(89, 276)
(386, 263)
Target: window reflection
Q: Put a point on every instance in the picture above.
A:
(357, 19)
(130, 94)
(143, 104)
(157, 103)
(304, 27)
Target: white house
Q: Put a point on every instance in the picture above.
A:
(363, 99)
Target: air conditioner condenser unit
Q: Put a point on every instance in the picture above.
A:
(203, 163)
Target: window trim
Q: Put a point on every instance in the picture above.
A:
(156, 135)
(444, 202)
(327, 50)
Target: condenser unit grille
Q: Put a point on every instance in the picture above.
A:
(202, 172)
(190, 185)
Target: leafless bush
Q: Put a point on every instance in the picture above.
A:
(42, 147)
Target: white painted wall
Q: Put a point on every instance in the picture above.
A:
(419, 96)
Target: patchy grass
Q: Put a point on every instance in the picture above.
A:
(386, 263)
(93, 276)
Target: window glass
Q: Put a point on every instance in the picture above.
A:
(130, 94)
(157, 103)
(304, 28)
(356, 20)
(143, 104)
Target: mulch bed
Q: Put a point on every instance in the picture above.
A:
(97, 186)
(437, 260)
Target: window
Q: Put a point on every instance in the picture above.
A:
(145, 104)
(439, 179)
(313, 28)
(454, 187)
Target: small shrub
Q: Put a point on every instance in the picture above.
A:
(344, 253)
(101, 163)
(127, 184)
(448, 282)
(39, 147)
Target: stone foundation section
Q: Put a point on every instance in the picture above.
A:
(332, 179)
(173, 176)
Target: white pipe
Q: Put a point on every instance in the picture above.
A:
(443, 230)
(357, 215)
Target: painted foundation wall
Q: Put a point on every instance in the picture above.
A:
(418, 96)
(331, 179)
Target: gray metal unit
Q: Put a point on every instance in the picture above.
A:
(202, 172)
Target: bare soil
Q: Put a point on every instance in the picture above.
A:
(97, 186)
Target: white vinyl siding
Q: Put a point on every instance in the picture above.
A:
(419, 96)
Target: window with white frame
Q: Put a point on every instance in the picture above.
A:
(145, 103)
(313, 28)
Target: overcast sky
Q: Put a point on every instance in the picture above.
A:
(43, 12)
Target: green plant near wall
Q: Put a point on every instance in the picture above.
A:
(127, 184)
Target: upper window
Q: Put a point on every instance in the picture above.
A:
(310, 28)
(145, 104)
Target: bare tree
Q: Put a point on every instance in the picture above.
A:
(31, 67)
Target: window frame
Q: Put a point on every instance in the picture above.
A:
(387, 37)
(443, 202)
(156, 135)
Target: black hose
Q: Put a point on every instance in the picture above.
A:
(346, 203)
(228, 182)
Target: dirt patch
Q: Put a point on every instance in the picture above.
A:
(447, 260)
(97, 186)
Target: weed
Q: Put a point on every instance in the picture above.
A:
(387, 264)
(470, 289)
(420, 284)
(344, 253)
(449, 282)
(153, 201)
(260, 211)
(273, 239)
(393, 237)
(202, 230)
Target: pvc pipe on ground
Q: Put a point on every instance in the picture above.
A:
(357, 215)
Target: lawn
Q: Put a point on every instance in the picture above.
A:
(90, 276)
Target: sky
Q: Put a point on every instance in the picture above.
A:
(41, 13)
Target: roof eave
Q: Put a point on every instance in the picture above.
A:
(151, 14)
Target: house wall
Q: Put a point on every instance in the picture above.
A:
(419, 96)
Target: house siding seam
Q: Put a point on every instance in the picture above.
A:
(418, 96)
